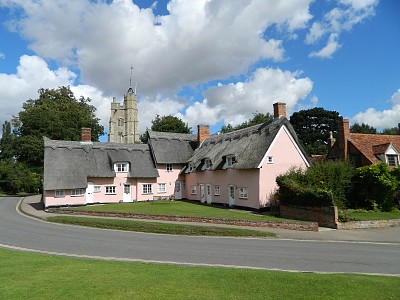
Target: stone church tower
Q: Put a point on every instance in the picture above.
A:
(124, 124)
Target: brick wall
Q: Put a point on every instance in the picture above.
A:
(324, 216)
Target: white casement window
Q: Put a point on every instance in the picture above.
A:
(77, 192)
(193, 190)
(392, 160)
(59, 193)
(207, 164)
(121, 167)
(270, 159)
(146, 188)
(110, 190)
(169, 168)
(230, 160)
(162, 187)
(96, 189)
(217, 190)
(243, 192)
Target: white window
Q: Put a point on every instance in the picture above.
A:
(77, 192)
(217, 190)
(169, 167)
(270, 159)
(207, 163)
(110, 190)
(96, 189)
(162, 188)
(146, 188)
(120, 122)
(230, 160)
(243, 192)
(121, 167)
(392, 160)
(59, 193)
(191, 167)
(193, 190)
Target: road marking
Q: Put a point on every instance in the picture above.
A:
(150, 261)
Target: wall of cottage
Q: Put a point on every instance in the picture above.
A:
(223, 178)
(280, 157)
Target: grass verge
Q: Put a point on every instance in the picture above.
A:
(370, 215)
(179, 208)
(155, 227)
(34, 276)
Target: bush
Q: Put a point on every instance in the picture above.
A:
(17, 178)
(376, 187)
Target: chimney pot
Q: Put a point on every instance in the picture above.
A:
(203, 132)
(279, 110)
(86, 135)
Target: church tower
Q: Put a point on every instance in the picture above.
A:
(124, 124)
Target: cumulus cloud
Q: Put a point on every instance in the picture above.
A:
(381, 119)
(236, 103)
(344, 17)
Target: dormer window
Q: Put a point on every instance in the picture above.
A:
(121, 167)
(207, 164)
(230, 160)
(392, 160)
(190, 167)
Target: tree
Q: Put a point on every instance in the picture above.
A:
(258, 118)
(7, 142)
(313, 126)
(169, 124)
(56, 114)
(392, 131)
(363, 128)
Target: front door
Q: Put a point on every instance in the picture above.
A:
(89, 193)
(178, 190)
(202, 194)
(209, 196)
(127, 193)
(231, 192)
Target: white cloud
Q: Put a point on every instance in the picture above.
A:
(2, 55)
(344, 17)
(235, 103)
(381, 119)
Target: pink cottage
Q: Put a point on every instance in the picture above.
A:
(236, 169)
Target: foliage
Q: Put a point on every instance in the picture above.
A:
(58, 277)
(323, 184)
(7, 142)
(363, 128)
(56, 114)
(391, 131)
(163, 228)
(369, 215)
(17, 178)
(313, 126)
(376, 187)
(169, 124)
(258, 118)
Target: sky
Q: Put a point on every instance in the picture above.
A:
(214, 62)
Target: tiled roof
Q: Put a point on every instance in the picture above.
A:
(371, 144)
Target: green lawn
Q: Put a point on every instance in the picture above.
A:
(363, 215)
(156, 227)
(179, 208)
(34, 276)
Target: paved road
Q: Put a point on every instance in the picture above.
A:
(23, 233)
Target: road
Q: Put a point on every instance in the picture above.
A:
(24, 233)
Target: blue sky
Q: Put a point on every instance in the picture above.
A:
(206, 61)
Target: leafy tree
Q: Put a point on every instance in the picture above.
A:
(363, 128)
(7, 142)
(392, 131)
(169, 124)
(16, 178)
(56, 114)
(258, 118)
(313, 126)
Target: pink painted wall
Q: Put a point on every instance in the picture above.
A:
(285, 155)
(167, 177)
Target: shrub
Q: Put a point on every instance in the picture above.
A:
(16, 178)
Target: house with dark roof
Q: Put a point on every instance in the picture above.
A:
(236, 169)
(364, 149)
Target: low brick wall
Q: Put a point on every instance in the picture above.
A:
(368, 224)
(324, 216)
(301, 226)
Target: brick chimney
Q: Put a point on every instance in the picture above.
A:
(203, 132)
(343, 136)
(279, 110)
(86, 135)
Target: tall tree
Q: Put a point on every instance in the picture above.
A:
(7, 142)
(258, 118)
(170, 124)
(56, 114)
(363, 128)
(313, 126)
(392, 131)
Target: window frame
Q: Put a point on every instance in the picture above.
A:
(59, 193)
(193, 190)
(162, 191)
(217, 193)
(395, 158)
(207, 163)
(243, 192)
(169, 167)
(78, 192)
(270, 159)
(230, 161)
(110, 190)
(147, 189)
(121, 167)
(97, 189)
